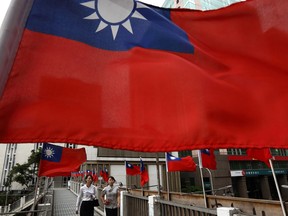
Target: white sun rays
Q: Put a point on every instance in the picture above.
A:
(114, 13)
(49, 152)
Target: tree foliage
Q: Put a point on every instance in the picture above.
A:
(25, 173)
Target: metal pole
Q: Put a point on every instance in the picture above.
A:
(45, 190)
(10, 36)
(202, 180)
(167, 178)
(277, 187)
(158, 173)
(6, 199)
(35, 195)
(126, 176)
(211, 180)
(212, 186)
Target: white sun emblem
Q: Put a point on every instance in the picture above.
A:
(49, 152)
(114, 13)
(173, 158)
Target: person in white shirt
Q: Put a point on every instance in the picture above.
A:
(69, 184)
(85, 198)
(110, 197)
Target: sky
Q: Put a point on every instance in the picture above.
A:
(4, 4)
(3, 8)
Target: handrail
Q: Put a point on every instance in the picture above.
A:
(190, 207)
(135, 196)
(23, 212)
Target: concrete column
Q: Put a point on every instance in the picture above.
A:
(154, 208)
(282, 179)
(242, 187)
(226, 211)
(265, 188)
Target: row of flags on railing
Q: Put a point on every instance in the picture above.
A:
(61, 161)
(173, 164)
(138, 170)
(208, 159)
(103, 173)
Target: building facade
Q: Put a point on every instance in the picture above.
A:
(238, 175)
(256, 177)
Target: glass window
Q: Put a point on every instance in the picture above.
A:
(185, 153)
(70, 145)
(236, 151)
(279, 152)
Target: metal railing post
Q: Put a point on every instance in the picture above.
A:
(226, 211)
(123, 203)
(153, 206)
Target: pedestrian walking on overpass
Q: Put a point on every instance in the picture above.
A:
(110, 197)
(86, 198)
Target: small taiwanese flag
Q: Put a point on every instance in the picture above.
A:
(208, 159)
(131, 169)
(262, 154)
(143, 174)
(180, 164)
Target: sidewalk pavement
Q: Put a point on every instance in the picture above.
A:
(64, 203)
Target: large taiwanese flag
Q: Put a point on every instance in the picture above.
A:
(60, 161)
(125, 75)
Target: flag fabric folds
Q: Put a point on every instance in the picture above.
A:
(208, 159)
(60, 161)
(180, 164)
(131, 169)
(260, 154)
(149, 79)
(144, 176)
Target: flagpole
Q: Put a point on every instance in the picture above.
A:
(10, 36)
(277, 187)
(96, 174)
(158, 173)
(142, 188)
(201, 174)
(211, 179)
(45, 187)
(126, 175)
(35, 196)
(167, 177)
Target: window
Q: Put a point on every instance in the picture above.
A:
(70, 145)
(279, 152)
(38, 145)
(185, 153)
(236, 151)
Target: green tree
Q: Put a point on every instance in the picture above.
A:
(24, 174)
